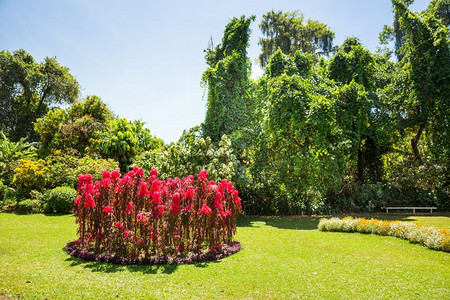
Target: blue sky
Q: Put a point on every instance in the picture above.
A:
(145, 58)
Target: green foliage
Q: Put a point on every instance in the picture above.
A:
(72, 128)
(124, 140)
(60, 199)
(10, 154)
(286, 31)
(191, 154)
(29, 206)
(30, 175)
(28, 89)
(64, 169)
(227, 81)
(427, 57)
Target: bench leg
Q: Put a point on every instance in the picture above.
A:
(414, 211)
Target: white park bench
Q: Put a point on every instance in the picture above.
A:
(408, 208)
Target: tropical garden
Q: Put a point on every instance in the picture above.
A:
(277, 194)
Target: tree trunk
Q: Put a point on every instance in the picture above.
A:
(361, 165)
(415, 141)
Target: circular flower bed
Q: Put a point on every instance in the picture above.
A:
(73, 249)
(138, 220)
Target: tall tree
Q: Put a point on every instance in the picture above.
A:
(427, 61)
(285, 30)
(28, 89)
(227, 80)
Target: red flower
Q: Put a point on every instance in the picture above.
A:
(218, 202)
(226, 213)
(129, 209)
(142, 189)
(159, 211)
(81, 179)
(115, 174)
(89, 201)
(77, 201)
(139, 216)
(154, 172)
(174, 209)
(202, 176)
(156, 198)
(108, 209)
(106, 174)
(106, 182)
(88, 178)
(119, 225)
(189, 195)
(176, 199)
(126, 233)
(187, 208)
(205, 210)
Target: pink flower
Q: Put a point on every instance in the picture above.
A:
(115, 174)
(139, 216)
(202, 176)
(119, 225)
(187, 208)
(205, 210)
(108, 209)
(176, 199)
(189, 195)
(77, 201)
(174, 208)
(218, 202)
(81, 179)
(226, 214)
(106, 182)
(142, 189)
(156, 198)
(106, 174)
(154, 172)
(129, 209)
(88, 178)
(158, 211)
(89, 201)
(126, 233)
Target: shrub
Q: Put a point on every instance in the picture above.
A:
(433, 238)
(30, 175)
(29, 206)
(191, 154)
(60, 199)
(135, 216)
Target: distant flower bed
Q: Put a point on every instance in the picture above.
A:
(431, 237)
(133, 219)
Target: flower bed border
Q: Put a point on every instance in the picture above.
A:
(75, 251)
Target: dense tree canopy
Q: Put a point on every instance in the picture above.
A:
(287, 31)
(28, 89)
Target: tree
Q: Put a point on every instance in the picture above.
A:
(28, 89)
(361, 115)
(427, 62)
(285, 30)
(227, 81)
(123, 140)
(73, 127)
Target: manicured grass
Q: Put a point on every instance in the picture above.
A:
(281, 258)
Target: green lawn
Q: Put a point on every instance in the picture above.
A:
(281, 258)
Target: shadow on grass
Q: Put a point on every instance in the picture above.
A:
(144, 269)
(295, 223)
